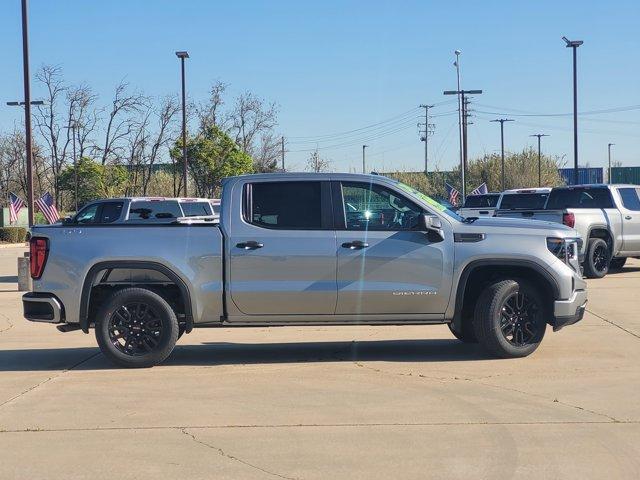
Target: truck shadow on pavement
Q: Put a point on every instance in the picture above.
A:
(226, 353)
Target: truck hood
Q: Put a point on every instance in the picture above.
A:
(510, 224)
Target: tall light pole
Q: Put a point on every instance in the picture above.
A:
(463, 163)
(27, 108)
(364, 165)
(282, 152)
(182, 55)
(456, 63)
(502, 120)
(72, 127)
(539, 135)
(574, 44)
(428, 128)
(609, 174)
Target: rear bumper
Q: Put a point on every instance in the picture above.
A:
(42, 307)
(568, 312)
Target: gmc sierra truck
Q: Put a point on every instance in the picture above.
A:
(606, 217)
(307, 249)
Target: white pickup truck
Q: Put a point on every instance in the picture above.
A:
(607, 218)
(488, 204)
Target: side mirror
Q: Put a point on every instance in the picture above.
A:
(433, 225)
(67, 220)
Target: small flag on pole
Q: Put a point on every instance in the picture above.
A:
(15, 205)
(481, 190)
(48, 208)
(454, 195)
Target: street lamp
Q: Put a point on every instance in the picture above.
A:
(574, 44)
(609, 174)
(539, 135)
(182, 55)
(364, 167)
(502, 120)
(460, 135)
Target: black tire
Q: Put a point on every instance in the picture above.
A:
(468, 335)
(136, 328)
(510, 318)
(596, 262)
(617, 263)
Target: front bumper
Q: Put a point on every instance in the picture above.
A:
(42, 307)
(568, 312)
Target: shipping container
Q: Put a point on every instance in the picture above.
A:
(625, 175)
(585, 175)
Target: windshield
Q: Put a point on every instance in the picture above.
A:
(430, 201)
(480, 201)
(524, 201)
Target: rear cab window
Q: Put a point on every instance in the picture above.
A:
(154, 210)
(288, 205)
(481, 201)
(524, 201)
(196, 209)
(582, 197)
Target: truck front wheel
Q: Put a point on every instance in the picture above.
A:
(136, 328)
(509, 318)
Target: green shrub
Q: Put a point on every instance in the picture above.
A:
(13, 234)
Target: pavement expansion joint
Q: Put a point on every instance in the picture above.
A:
(614, 324)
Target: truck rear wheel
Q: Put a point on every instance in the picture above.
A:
(136, 328)
(596, 262)
(509, 318)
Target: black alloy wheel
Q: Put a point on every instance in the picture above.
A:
(135, 329)
(518, 319)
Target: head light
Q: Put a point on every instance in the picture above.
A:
(566, 249)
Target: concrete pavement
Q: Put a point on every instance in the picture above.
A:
(315, 403)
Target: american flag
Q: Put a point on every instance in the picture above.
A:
(454, 195)
(481, 190)
(15, 205)
(48, 208)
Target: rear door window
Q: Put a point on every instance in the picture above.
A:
(285, 205)
(579, 198)
(154, 210)
(630, 198)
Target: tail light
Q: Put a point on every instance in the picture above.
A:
(38, 253)
(569, 219)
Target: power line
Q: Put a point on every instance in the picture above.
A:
(525, 113)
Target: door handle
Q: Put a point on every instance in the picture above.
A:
(627, 217)
(355, 245)
(250, 245)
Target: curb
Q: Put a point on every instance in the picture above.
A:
(13, 245)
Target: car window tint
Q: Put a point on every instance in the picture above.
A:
(88, 214)
(481, 201)
(579, 198)
(110, 212)
(195, 209)
(524, 201)
(286, 205)
(630, 198)
(154, 210)
(373, 207)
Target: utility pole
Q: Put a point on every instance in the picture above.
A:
(574, 44)
(424, 136)
(539, 135)
(609, 174)
(364, 169)
(182, 55)
(463, 145)
(27, 108)
(502, 120)
(463, 172)
(282, 151)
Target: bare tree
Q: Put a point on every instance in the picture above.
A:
(316, 163)
(209, 113)
(120, 123)
(267, 153)
(82, 113)
(250, 118)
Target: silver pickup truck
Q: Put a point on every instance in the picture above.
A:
(606, 217)
(307, 249)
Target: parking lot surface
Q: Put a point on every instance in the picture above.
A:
(331, 402)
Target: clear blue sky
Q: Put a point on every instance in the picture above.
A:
(338, 66)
